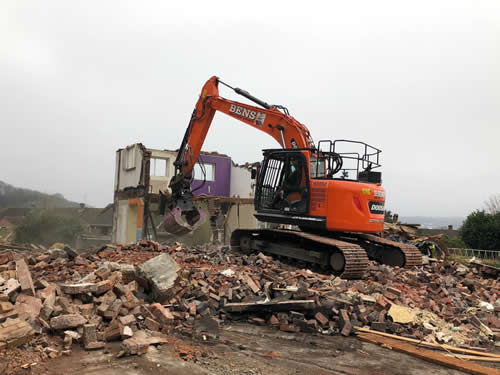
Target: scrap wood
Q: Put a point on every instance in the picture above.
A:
(270, 306)
(15, 247)
(429, 355)
(481, 326)
(287, 289)
(428, 344)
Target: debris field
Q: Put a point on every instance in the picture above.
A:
(145, 294)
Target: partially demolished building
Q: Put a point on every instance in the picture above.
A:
(222, 188)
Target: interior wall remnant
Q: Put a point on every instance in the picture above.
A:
(240, 216)
(141, 173)
(120, 223)
(158, 183)
(128, 170)
(217, 185)
(135, 216)
(241, 183)
(131, 224)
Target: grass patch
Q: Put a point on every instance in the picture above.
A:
(4, 232)
(455, 242)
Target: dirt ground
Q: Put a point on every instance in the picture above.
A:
(246, 349)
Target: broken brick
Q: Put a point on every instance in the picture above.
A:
(79, 288)
(323, 320)
(152, 324)
(14, 333)
(161, 313)
(103, 286)
(127, 320)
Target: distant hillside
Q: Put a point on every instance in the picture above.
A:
(14, 197)
(432, 222)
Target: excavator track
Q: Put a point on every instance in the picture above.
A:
(348, 260)
(391, 252)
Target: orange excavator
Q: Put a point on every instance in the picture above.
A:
(331, 192)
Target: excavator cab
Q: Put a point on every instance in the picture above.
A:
(283, 184)
(328, 187)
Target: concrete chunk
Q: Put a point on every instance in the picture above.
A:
(89, 334)
(126, 332)
(74, 335)
(28, 307)
(67, 321)
(161, 273)
(24, 277)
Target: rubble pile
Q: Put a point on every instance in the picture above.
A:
(139, 293)
(440, 302)
(80, 298)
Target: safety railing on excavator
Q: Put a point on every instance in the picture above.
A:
(347, 160)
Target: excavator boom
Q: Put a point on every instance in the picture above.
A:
(287, 131)
(183, 216)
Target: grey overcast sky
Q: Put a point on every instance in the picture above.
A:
(418, 79)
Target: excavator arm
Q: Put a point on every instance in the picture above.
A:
(287, 131)
(183, 216)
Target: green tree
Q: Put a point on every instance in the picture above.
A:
(47, 228)
(481, 230)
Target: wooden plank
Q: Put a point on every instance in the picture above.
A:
(429, 355)
(14, 247)
(270, 306)
(477, 358)
(429, 344)
(255, 288)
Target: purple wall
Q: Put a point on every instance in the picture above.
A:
(219, 187)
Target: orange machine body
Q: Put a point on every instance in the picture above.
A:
(345, 204)
(329, 202)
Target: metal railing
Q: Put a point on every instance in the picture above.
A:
(483, 254)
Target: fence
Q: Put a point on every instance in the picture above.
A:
(484, 254)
